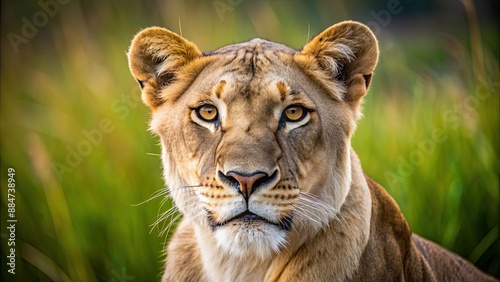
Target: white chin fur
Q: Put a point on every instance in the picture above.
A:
(243, 239)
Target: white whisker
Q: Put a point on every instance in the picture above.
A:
(169, 226)
(340, 218)
(170, 217)
(310, 209)
(161, 192)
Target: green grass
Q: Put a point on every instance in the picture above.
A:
(72, 76)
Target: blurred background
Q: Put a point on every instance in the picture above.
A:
(75, 132)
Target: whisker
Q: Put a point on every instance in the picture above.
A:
(169, 226)
(340, 218)
(163, 201)
(183, 189)
(161, 192)
(310, 208)
(168, 218)
(304, 214)
(163, 217)
(165, 191)
(174, 220)
(185, 186)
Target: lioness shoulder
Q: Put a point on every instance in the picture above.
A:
(257, 157)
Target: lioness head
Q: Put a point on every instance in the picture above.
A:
(256, 135)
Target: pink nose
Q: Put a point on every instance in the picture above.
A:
(247, 182)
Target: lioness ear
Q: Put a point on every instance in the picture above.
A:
(346, 52)
(154, 57)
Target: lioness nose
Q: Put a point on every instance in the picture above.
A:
(247, 183)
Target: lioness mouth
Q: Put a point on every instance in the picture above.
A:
(248, 216)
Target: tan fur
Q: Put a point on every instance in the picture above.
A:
(264, 197)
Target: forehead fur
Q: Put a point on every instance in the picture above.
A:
(254, 58)
(259, 58)
(255, 45)
(249, 66)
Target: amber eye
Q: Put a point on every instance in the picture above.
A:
(207, 113)
(295, 113)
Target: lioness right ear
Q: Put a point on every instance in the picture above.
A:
(346, 52)
(154, 57)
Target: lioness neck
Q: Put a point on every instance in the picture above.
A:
(336, 249)
(220, 266)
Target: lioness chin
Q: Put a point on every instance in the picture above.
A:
(257, 157)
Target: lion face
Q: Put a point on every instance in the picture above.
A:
(255, 136)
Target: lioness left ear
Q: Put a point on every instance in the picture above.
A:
(155, 57)
(347, 52)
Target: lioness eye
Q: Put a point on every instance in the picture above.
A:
(207, 112)
(295, 113)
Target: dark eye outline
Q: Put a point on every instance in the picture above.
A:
(305, 112)
(198, 113)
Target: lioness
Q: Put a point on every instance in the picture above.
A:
(257, 157)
